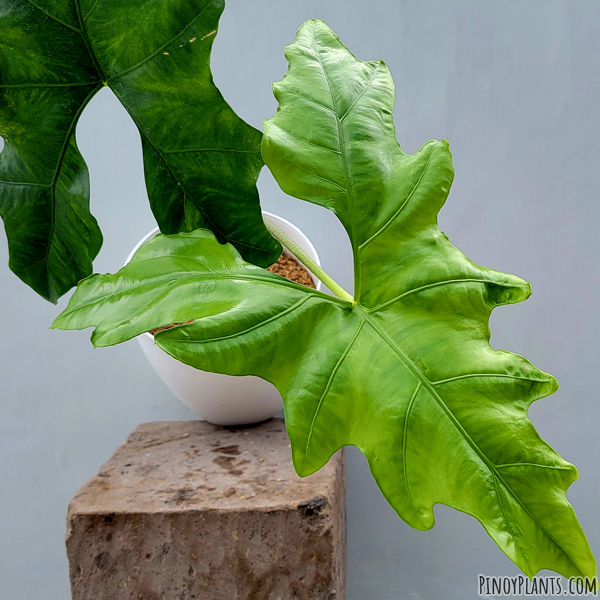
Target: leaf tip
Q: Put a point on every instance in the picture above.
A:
(96, 339)
(56, 324)
(313, 22)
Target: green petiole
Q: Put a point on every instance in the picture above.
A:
(308, 262)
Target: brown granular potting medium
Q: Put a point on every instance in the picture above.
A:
(290, 268)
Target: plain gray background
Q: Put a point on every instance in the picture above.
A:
(514, 86)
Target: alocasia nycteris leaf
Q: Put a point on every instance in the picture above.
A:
(201, 160)
(406, 373)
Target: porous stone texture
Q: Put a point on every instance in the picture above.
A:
(192, 511)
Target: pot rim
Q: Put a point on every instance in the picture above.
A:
(267, 214)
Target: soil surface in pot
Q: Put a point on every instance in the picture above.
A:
(286, 266)
(290, 268)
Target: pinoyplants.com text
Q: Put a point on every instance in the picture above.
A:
(538, 586)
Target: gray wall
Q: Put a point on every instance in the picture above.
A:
(515, 88)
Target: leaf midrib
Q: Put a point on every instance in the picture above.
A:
(363, 314)
(63, 153)
(87, 41)
(404, 443)
(52, 185)
(170, 278)
(243, 331)
(347, 177)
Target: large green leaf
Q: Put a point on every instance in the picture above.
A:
(201, 160)
(407, 373)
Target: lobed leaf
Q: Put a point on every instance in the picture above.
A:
(407, 373)
(201, 160)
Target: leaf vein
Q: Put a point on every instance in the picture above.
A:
(471, 375)
(247, 330)
(404, 443)
(399, 210)
(20, 183)
(327, 388)
(151, 301)
(61, 158)
(309, 99)
(86, 39)
(51, 16)
(49, 85)
(350, 108)
(165, 45)
(308, 141)
(527, 464)
(91, 10)
(337, 185)
(438, 283)
(212, 150)
(508, 523)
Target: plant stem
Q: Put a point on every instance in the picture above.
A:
(308, 262)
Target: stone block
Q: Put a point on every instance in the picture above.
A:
(192, 511)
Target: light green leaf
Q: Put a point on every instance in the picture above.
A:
(201, 160)
(407, 374)
(171, 277)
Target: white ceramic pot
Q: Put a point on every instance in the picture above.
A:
(222, 399)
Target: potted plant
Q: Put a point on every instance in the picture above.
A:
(402, 368)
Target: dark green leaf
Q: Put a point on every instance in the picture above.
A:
(201, 160)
